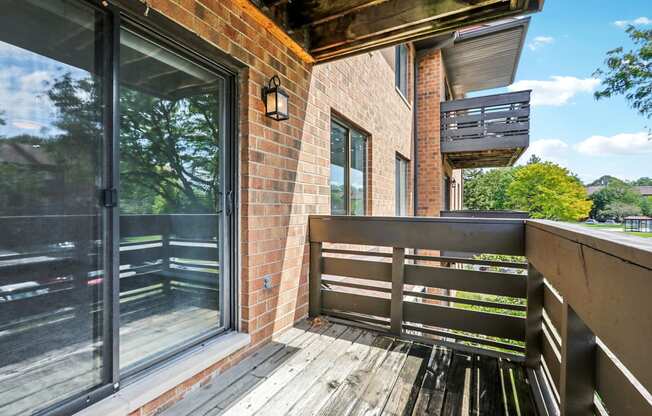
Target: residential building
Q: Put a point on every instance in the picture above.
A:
(174, 237)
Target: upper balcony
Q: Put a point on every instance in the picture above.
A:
(483, 132)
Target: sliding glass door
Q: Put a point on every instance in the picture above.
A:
(171, 175)
(52, 239)
(116, 202)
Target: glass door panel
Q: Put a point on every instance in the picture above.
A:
(51, 221)
(171, 182)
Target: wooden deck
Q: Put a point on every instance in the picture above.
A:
(332, 369)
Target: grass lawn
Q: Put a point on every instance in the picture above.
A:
(615, 227)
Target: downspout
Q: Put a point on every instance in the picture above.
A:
(415, 109)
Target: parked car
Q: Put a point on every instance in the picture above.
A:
(611, 222)
(590, 221)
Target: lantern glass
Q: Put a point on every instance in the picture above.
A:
(276, 100)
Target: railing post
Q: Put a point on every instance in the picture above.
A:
(577, 381)
(314, 283)
(398, 268)
(534, 319)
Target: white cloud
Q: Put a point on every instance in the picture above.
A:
(540, 41)
(639, 21)
(557, 91)
(553, 150)
(620, 144)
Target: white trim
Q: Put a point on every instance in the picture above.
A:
(142, 391)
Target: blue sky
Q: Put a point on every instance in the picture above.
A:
(565, 44)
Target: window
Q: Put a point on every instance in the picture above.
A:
(401, 186)
(348, 169)
(447, 193)
(400, 69)
(111, 261)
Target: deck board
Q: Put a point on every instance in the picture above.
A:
(338, 370)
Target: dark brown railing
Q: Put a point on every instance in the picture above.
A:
(579, 319)
(499, 121)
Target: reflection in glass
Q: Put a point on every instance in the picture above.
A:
(357, 175)
(401, 186)
(338, 166)
(170, 200)
(51, 271)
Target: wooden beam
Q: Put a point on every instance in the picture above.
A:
(314, 284)
(395, 21)
(533, 332)
(274, 29)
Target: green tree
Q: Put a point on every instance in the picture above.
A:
(487, 190)
(616, 191)
(547, 190)
(629, 73)
(644, 181)
(619, 210)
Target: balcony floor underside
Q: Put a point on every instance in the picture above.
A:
(333, 369)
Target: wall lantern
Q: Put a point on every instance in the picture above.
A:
(276, 100)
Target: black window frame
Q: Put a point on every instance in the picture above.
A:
(160, 29)
(349, 127)
(400, 69)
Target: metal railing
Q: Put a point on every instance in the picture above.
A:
(579, 318)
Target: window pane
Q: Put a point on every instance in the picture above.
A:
(338, 166)
(357, 178)
(401, 186)
(51, 141)
(171, 157)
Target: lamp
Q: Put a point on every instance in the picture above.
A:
(276, 100)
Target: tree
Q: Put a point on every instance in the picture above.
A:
(534, 159)
(604, 181)
(630, 73)
(616, 191)
(546, 190)
(487, 190)
(644, 181)
(619, 210)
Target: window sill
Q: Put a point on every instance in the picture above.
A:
(151, 386)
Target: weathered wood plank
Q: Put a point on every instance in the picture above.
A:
(257, 397)
(404, 394)
(375, 395)
(433, 388)
(325, 386)
(294, 389)
(486, 397)
(486, 101)
(347, 393)
(456, 400)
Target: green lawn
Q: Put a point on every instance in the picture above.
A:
(616, 227)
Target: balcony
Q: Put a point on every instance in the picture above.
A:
(482, 132)
(564, 331)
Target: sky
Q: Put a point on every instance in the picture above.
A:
(565, 44)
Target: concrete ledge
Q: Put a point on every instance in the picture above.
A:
(140, 392)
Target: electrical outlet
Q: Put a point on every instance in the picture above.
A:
(267, 282)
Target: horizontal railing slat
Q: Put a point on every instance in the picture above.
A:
(502, 236)
(503, 326)
(362, 269)
(486, 101)
(616, 390)
(349, 302)
(501, 284)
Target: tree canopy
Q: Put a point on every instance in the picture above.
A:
(543, 189)
(629, 73)
(618, 199)
(547, 190)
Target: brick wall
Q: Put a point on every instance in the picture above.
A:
(284, 170)
(429, 92)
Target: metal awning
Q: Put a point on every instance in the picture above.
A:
(485, 57)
